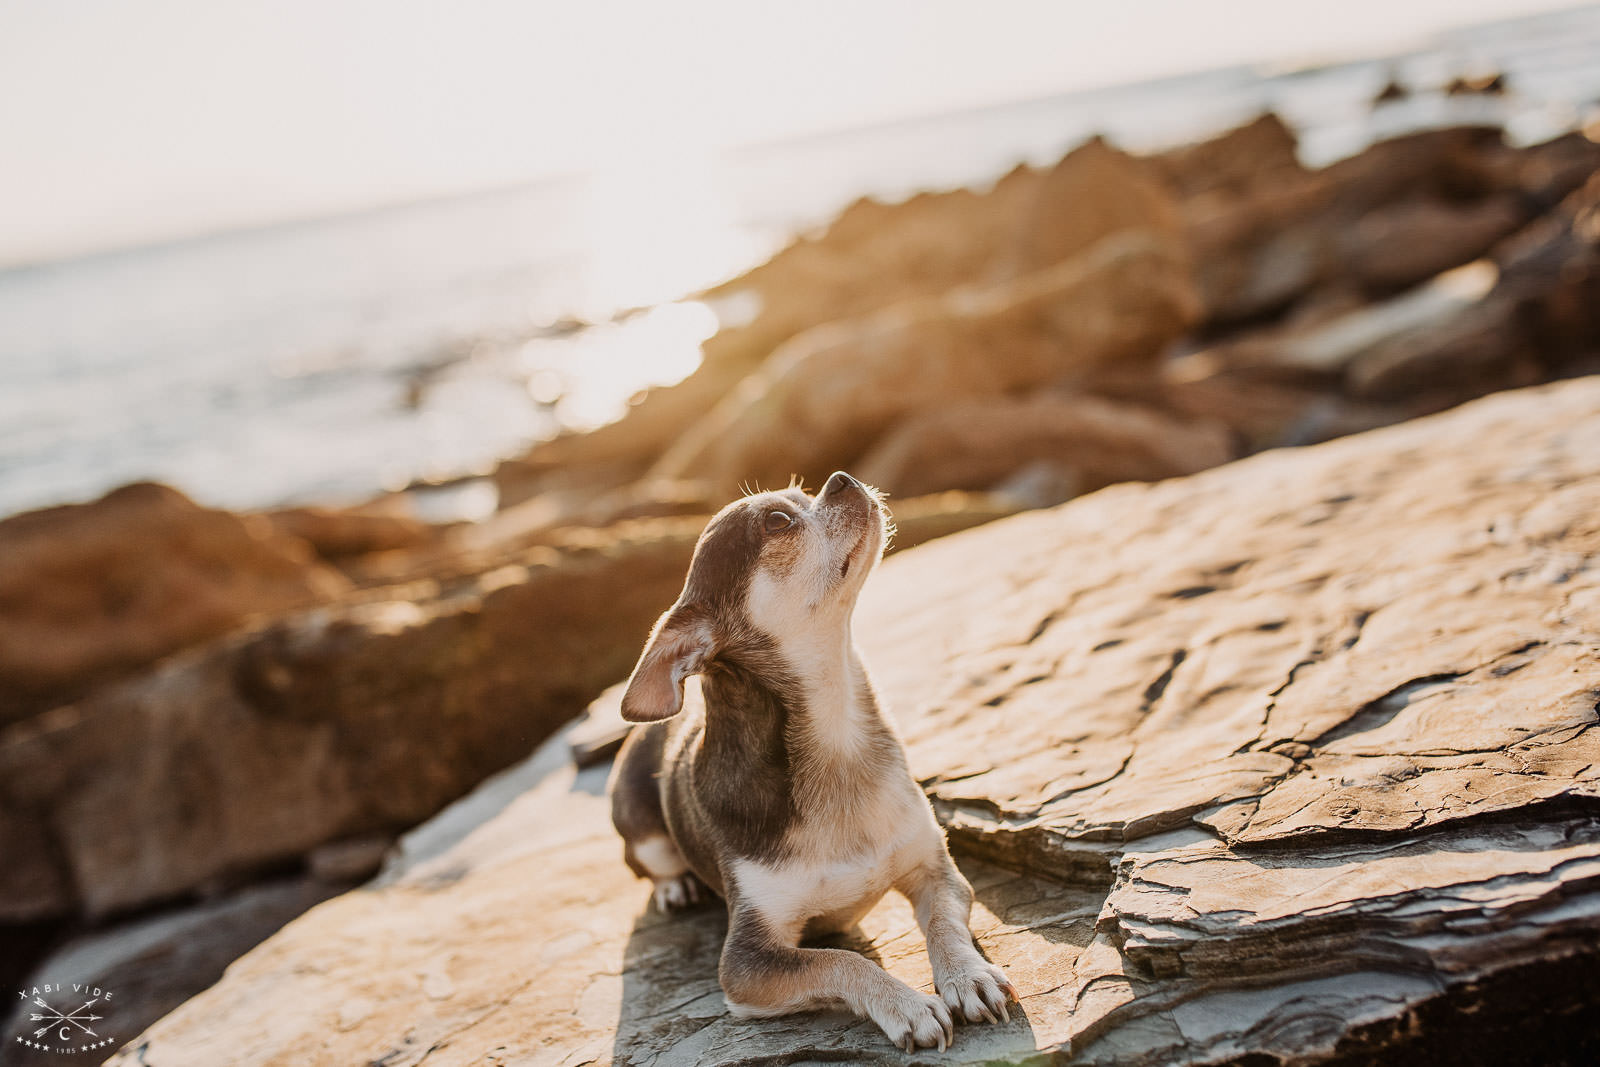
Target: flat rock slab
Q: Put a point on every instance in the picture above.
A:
(1387, 633)
(1297, 756)
(511, 933)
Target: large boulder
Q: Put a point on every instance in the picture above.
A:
(1238, 162)
(344, 720)
(828, 394)
(1289, 383)
(1095, 191)
(1293, 760)
(89, 592)
(1093, 442)
(1394, 247)
(1339, 363)
(1389, 217)
(339, 533)
(873, 256)
(1541, 317)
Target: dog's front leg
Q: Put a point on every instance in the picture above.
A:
(764, 973)
(968, 983)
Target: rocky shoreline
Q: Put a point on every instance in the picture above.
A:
(1223, 799)
(196, 706)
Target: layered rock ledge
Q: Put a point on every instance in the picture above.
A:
(1293, 760)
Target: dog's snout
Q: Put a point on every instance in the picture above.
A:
(838, 482)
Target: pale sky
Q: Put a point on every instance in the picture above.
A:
(124, 121)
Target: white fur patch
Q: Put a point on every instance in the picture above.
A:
(675, 893)
(660, 857)
(841, 874)
(820, 652)
(787, 895)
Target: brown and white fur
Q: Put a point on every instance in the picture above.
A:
(785, 790)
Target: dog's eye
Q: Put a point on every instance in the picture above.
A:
(778, 520)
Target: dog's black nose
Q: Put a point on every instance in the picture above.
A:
(839, 481)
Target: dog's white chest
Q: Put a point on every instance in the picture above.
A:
(790, 896)
(832, 888)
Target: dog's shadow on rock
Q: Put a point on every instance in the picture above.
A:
(673, 1013)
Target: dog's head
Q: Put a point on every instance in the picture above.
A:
(772, 570)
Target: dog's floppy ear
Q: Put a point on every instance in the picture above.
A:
(677, 648)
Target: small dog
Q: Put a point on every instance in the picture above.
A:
(787, 793)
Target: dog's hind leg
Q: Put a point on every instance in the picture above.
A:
(647, 846)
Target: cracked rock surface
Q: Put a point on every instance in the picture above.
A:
(1391, 633)
(1289, 761)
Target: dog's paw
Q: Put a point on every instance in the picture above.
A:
(979, 992)
(914, 1021)
(676, 894)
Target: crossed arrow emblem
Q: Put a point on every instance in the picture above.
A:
(77, 1017)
